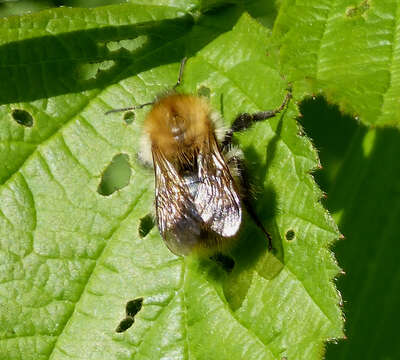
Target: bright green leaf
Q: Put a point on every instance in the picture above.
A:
(347, 49)
(72, 259)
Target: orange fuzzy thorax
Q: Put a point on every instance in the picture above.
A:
(178, 124)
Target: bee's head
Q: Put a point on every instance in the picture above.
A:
(178, 124)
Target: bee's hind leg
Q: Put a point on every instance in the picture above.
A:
(246, 199)
(234, 159)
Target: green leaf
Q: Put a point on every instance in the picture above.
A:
(361, 178)
(347, 50)
(71, 258)
(56, 62)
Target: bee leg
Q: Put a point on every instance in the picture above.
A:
(181, 68)
(136, 107)
(237, 166)
(245, 120)
(250, 210)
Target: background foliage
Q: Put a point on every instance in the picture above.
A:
(346, 51)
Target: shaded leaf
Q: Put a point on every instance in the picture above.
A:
(361, 180)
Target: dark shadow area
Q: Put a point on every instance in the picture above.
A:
(52, 65)
(331, 132)
(226, 262)
(116, 175)
(251, 252)
(72, 62)
(361, 173)
(263, 202)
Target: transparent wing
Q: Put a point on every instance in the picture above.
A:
(179, 223)
(217, 200)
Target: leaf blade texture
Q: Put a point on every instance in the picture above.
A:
(73, 258)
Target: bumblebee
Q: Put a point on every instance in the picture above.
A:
(199, 194)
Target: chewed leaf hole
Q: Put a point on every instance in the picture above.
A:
(22, 117)
(204, 91)
(127, 44)
(129, 116)
(226, 262)
(290, 234)
(125, 324)
(131, 309)
(145, 226)
(92, 70)
(116, 175)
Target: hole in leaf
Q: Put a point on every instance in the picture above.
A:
(116, 176)
(204, 91)
(129, 116)
(127, 45)
(22, 117)
(226, 262)
(290, 235)
(131, 309)
(91, 70)
(145, 226)
(125, 324)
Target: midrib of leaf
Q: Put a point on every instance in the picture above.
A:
(222, 303)
(185, 322)
(98, 260)
(148, 332)
(181, 292)
(237, 320)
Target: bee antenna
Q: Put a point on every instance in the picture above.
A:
(136, 107)
(182, 67)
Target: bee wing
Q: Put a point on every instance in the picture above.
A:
(217, 200)
(179, 223)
